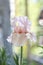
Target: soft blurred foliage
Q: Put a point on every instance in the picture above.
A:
(33, 10)
(16, 59)
(20, 7)
(3, 56)
(30, 8)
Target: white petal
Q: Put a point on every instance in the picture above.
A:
(28, 36)
(9, 39)
(34, 39)
(31, 37)
(19, 39)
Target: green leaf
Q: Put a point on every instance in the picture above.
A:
(16, 59)
(2, 57)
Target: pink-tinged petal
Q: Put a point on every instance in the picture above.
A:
(19, 39)
(19, 30)
(23, 21)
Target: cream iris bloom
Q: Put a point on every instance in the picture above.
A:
(21, 31)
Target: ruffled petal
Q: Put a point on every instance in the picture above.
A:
(21, 31)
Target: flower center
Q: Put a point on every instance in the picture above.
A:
(20, 30)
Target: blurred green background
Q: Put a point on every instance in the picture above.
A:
(30, 8)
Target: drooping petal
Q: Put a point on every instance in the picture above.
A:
(9, 39)
(31, 37)
(19, 39)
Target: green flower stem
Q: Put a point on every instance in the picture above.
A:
(21, 55)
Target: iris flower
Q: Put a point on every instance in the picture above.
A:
(21, 31)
